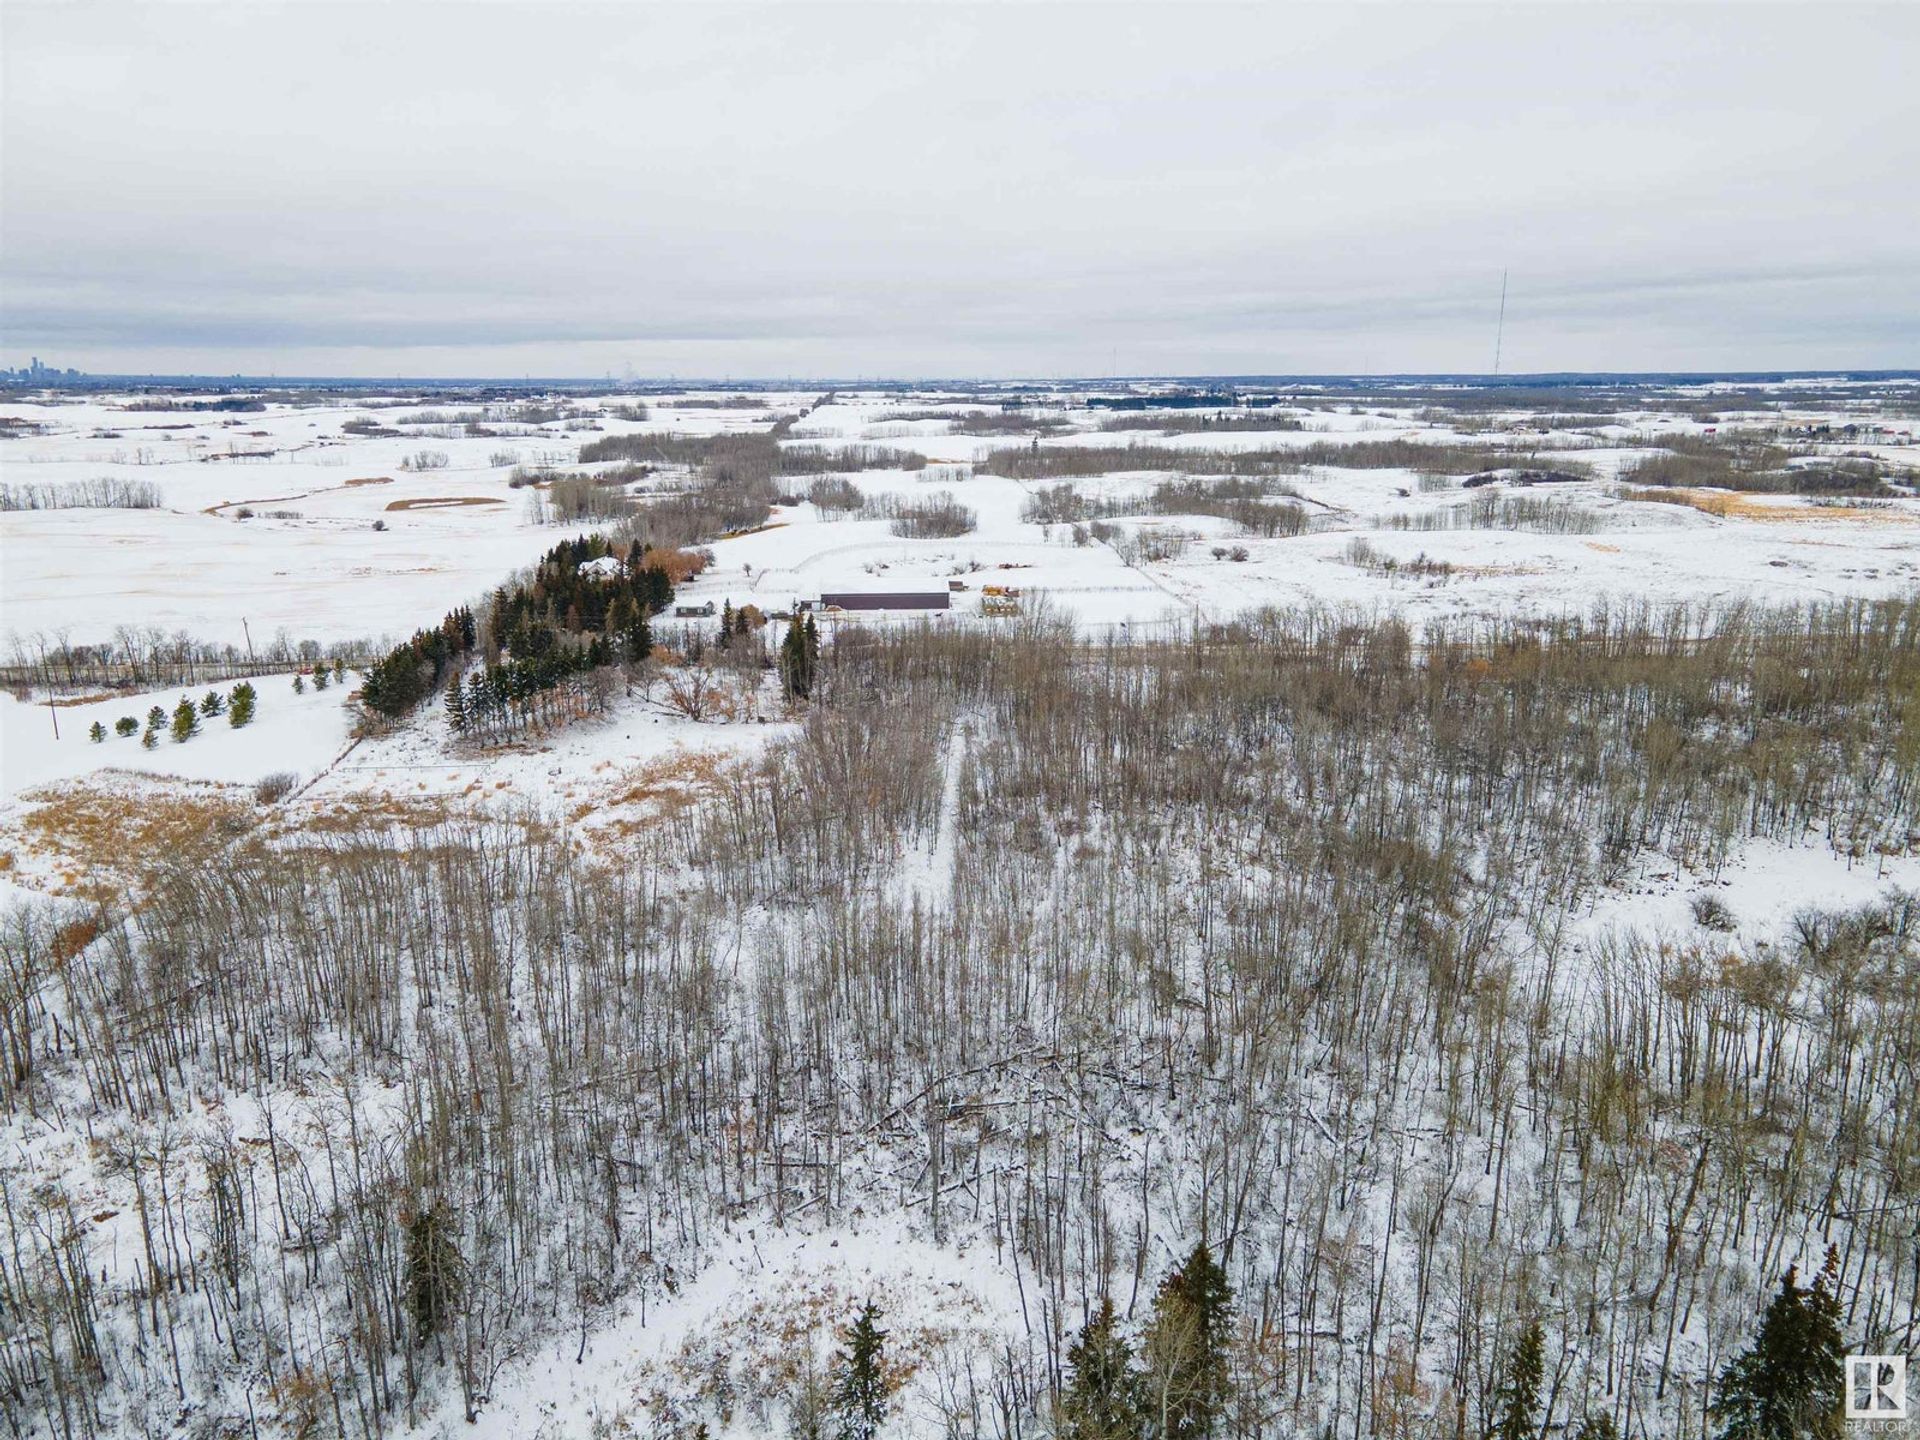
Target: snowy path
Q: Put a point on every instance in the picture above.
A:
(930, 880)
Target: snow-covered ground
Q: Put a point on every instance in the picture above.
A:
(298, 733)
(309, 561)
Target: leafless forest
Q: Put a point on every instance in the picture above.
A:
(1081, 951)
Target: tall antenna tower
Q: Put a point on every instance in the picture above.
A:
(1500, 330)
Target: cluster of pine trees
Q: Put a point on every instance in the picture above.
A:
(570, 592)
(408, 673)
(507, 700)
(184, 722)
(543, 637)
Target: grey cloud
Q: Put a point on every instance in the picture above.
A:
(931, 189)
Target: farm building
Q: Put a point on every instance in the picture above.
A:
(886, 600)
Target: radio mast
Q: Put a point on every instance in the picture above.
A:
(1499, 330)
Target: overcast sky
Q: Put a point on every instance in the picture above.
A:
(924, 190)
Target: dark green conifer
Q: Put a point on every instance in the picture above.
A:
(1789, 1384)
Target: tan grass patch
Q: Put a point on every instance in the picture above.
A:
(665, 788)
(105, 837)
(1732, 505)
(370, 480)
(443, 502)
(361, 812)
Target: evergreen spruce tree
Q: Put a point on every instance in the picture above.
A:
(98, 733)
(240, 705)
(726, 624)
(1516, 1400)
(456, 706)
(186, 721)
(320, 676)
(125, 725)
(859, 1382)
(1789, 1385)
(1598, 1426)
(796, 677)
(299, 684)
(627, 628)
(211, 703)
(480, 704)
(150, 740)
(1187, 1382)
(156, 718)
(1102, 1399)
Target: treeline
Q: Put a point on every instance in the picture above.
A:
(1491, 511)
(148, 658)
(1217, 423)
(1247, 503)
(399, 680)
(934, 516)
(105, 493)
(1753, 463)
(755, 455)
(1035, 462)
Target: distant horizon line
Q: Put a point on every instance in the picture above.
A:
(58, 380)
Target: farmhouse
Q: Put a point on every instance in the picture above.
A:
(885, 600)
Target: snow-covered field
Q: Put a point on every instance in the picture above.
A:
(309, 562)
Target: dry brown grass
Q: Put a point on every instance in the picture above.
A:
(370, 480)
(658, 791)
(1732, 505)
(361, 812)
(443, 502)
(105, 835)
